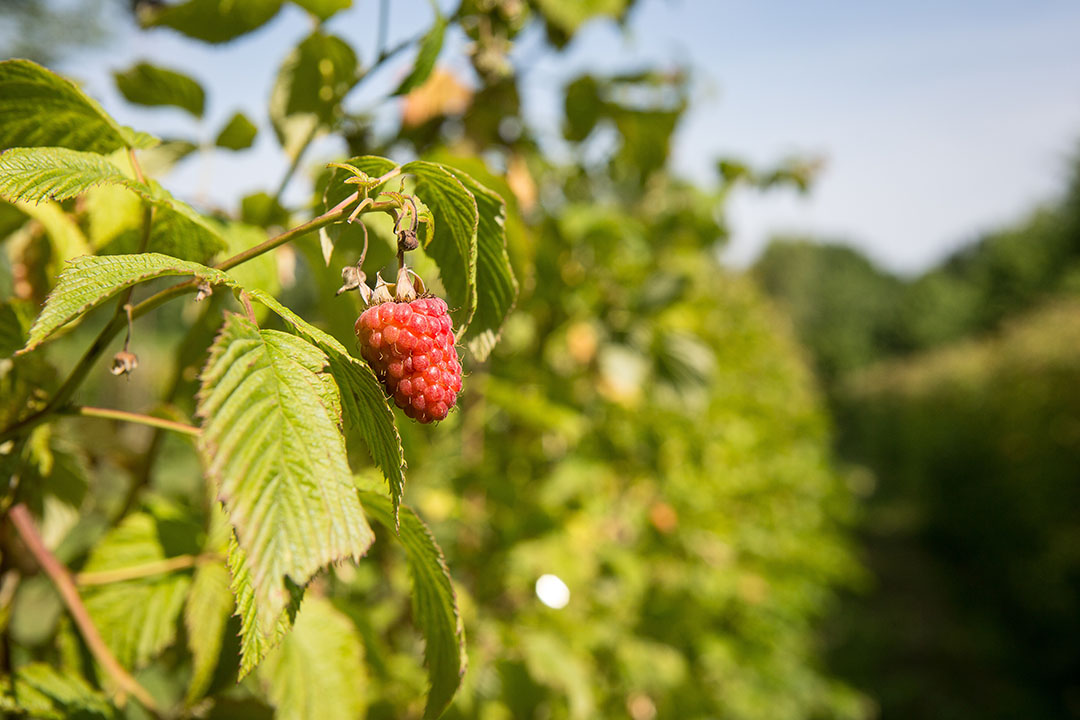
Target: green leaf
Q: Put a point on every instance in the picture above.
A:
(270, 442)
(209, 605)
(496, 287)
(323, 9)
(212, 21)
(68, 241)
(257, 641)
(454, 245)
(38, 107)
(89, 281)
(363, 400)
(138, 618)
(14, 325)
(146, 84)
(310, 86)
(41, 691)
(569, 15)
(35, 173)
(318, 671)
(434, 603)
(430, 46)
(238, 134)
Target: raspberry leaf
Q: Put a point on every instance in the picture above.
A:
(318, 670)
(271, 444)
(40, 108)
(434, 603)
(430, 46)
(41, 691)
(89, 281)
(138, 618)
(363, 403)
(35, 173)
(238, 134)
(146, 84)
(496, 286)
(212, 21)
(453, 246)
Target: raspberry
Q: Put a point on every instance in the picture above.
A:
(410, 345)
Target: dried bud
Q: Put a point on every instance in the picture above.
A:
(407, 240)
(204, 291)
(124, 362)
(353, 278)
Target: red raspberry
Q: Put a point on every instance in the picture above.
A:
(410, 345)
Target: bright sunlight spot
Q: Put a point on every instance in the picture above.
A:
(552, 591)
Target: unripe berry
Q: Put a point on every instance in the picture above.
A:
(410, 346)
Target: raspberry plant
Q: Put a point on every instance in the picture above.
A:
(638, 425)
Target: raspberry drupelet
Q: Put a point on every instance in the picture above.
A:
(410, 346)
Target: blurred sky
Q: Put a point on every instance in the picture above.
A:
(938, 120)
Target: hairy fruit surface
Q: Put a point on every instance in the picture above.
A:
(410, 345)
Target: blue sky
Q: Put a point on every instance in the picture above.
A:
(937, 120)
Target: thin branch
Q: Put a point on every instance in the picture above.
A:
(384, 27)
(150, 420)
(159, 567)
(61, 578)
(295, 163)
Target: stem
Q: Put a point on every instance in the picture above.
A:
(110, 414)
(159, 567)
(291, 170)
(61, 578)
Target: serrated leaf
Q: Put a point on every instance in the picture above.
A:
(324, 9)
(40, 108)
(318, 670)
(363, 400)
(138, 618)
(33, 174)
(213, 21)
(454, 244)
(41, 691)
(430, 47)
(270, 442)
(88, 281)
(434, 603)
(257, 641)
(238, 134)
(146, 84)
(496, 286)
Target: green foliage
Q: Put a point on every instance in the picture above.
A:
(968, 529)
(324, 9)
(212, 21)
(238, 134)
(318, 671)
(39, 108)
(272, 446)
(34, 174)
(146, 84)
(89, 281)
(640, 425)
(139, 618)
(49, 694)
(434, 604)
(430, 47)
